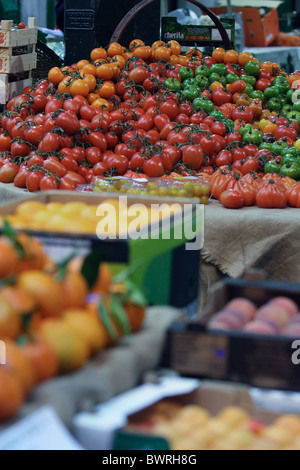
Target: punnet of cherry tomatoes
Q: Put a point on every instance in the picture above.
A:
(156, 112)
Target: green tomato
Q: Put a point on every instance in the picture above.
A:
(232, 77)
(272, 167)
(291, 170)
(257, 94)
(202, 70)
(249, 89)
(282, 84)
(288, 159)
(173, 84)
(271, 92)
(219, 69)
(296, 107)
(278, 147)
(202, 82)
(293, 116)
(214, 77)
(248, 79)
(245, 129)
(189, 82)
(252, 68)
(191, 93)
(253, 138)
(217, 115)
(289, 96)
(287, 108)
(203, 104)
(265, 146)
(274, 104)
(185, 73)
(293, 151)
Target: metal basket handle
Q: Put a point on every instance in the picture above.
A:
(144, 3)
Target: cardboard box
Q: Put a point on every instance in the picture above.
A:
(261, 361)
(162, 264)
(213, 397)
(260, 30)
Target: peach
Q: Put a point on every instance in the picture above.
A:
(274, 313)
(289, 422)
(233, 416)
(194, 414)
(233, 319)
(281, 437)
(255, 426)
(292, 330)
(263, 443)
(294, 320)
(287, 304)
(262, 327)
(243, 305)
(240, 439)
(218, 428)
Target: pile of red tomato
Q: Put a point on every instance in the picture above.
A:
(157, 112)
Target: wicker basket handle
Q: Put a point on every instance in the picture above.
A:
(144, 3)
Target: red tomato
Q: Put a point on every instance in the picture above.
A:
(68, 121)
(193, 155)
(247, 191)
(119, 163)
(170, 108)
(93, 155)
(271, 195)
(262, 84)
(97, 139)
(232, 199)
(224, 157)
(5, 141)
(33, 180)
(49, 183)
(20, 179)
(34, 135)
(219, 97)
(154, 167)
(50, 143)
(100, 169)
(137, 161)
(54, 166)
(139, 74)
(218, 128)
(243, 112)
(70, 181)
(8, 172)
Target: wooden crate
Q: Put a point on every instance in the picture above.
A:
(10, 89)
(17, 55)
(10, 38)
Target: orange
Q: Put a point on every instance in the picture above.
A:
(20, 300)
(19, 365)
(87, 326)
(136, 316)
(34, 256)
(45, 291)
(68, 345)
(42, 359)
(75, 290)
(8, 259)
(104, 279)
(10, 322)
(11, 396)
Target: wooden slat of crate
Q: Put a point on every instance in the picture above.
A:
(17, 64)
(19, 37)
(9, 90)
(7, 52)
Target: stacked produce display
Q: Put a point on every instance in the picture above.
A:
(155, 112)
(51, 320)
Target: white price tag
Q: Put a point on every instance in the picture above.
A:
(41, 430)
